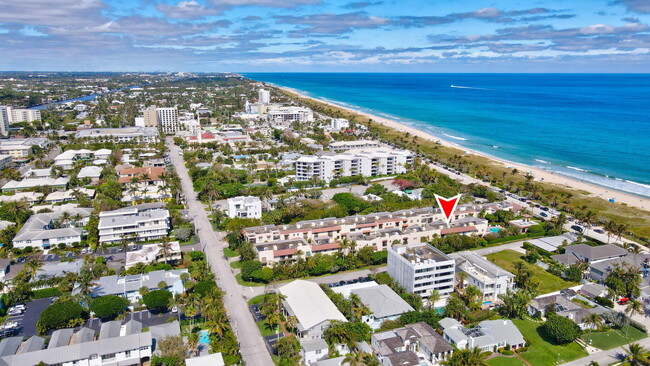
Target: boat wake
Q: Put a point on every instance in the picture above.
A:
(467, 87)
(455, 137)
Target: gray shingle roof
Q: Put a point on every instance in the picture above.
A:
(10, 345)
(34, 343)
(60, 338)
(382, 301)
(37, 227)
(597, 252)
(110, 329)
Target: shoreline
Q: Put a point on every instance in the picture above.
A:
(540, 175)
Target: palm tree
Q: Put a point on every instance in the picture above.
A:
(355, 359)
(433, 298)
(217, 323)
(193, 343)
(466, 357)
(461, 276)
(610, 227)
(633, 307)
(165, 248)
(593, 320)
(358, 308)
(33, 266)
(636, 355)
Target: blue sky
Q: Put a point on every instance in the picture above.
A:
(322, 35)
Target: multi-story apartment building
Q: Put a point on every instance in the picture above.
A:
(264, 96)
(368, 163)
(68, 158)
(150, 117)
(340, 146)
(338, 124)
(489, 278)
(249, 207)
(168, 119)
(421, 269)
(125, 134)
(9, 115)
(278, 243)
(129, 286)
(148, 221)
(289, 114)
(20, 149)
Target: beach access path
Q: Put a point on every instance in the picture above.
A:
(252, 346)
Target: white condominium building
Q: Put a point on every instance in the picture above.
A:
(340, 146)
(264, 96)
(147, 221)
(421, 269)
(125, 134)
(10, 115)
(368, 163)
(289, 114)
(249, 207)
(491, 279)
(338, 124)
(5, 119)
(168, 119)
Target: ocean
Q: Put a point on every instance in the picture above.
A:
(592, 127)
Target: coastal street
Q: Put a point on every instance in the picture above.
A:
(252, 347)
(607, 357)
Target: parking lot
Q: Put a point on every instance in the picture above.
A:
(349, 282)
(27, 320)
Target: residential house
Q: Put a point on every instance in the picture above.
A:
(53, 228)
(312, 308)
(488, 335)
(129, 286)
(30, 183)
(563, 307)
(313, 350)
(249, 207)
(383, 304)
(152, 253)
(410, 344)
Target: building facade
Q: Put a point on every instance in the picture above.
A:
(289, 114)
(489, 278)
(134, 223)
(421, 269)
(168, 119)
(264, 96)
(249, 207)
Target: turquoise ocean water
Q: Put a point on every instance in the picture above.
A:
(593, 127)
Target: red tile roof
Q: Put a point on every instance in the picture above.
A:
(283, 252)
(455, 230)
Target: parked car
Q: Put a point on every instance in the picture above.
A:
(577, 228)
(599, 231)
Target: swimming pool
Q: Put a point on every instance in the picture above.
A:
(204, 337)
(494, 229)
(487, 302)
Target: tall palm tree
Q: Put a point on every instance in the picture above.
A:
(610, 227)
(433, 298)
(217, 323)
(593, 320)
(461, 276)
(33, 266)
(355, 359)
(165, 248)
(273, 320)
(633, 307)
(636, 355)
(358, 308)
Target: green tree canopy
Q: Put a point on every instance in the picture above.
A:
(108, 306)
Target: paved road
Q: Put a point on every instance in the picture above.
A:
(27, 320)
(253, 350)
(606, 357)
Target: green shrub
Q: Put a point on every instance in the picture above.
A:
(379, 257)
(560, 329)
(108, 306)
(638, 326)
(157, 299)
(603, 301)
(507, 352)
(60, 315)
(46, 292)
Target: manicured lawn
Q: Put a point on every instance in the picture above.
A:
(256, 300)
(236, 264)
(230, 253)
(614, 337)
(506, 259)
(505, 361)
(540, 351)
(264, 328)
(246, 283)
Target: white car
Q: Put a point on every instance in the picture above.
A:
(13, 311)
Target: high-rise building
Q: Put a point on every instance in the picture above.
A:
(421, 269)
(264, 96)
(150, 117)
(25, 115)
(5, 118)
(168, 119)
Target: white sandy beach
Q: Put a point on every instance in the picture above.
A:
(539, 174)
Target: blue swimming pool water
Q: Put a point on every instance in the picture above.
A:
(204, 337)
(494, 229)
(487, 302)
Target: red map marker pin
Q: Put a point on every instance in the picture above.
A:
(448, 205)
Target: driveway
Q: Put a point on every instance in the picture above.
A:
(252, 345)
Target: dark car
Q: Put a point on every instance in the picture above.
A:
(577, 228)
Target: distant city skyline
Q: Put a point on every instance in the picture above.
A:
(325, 36)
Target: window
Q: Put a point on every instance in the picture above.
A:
(108, 356)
